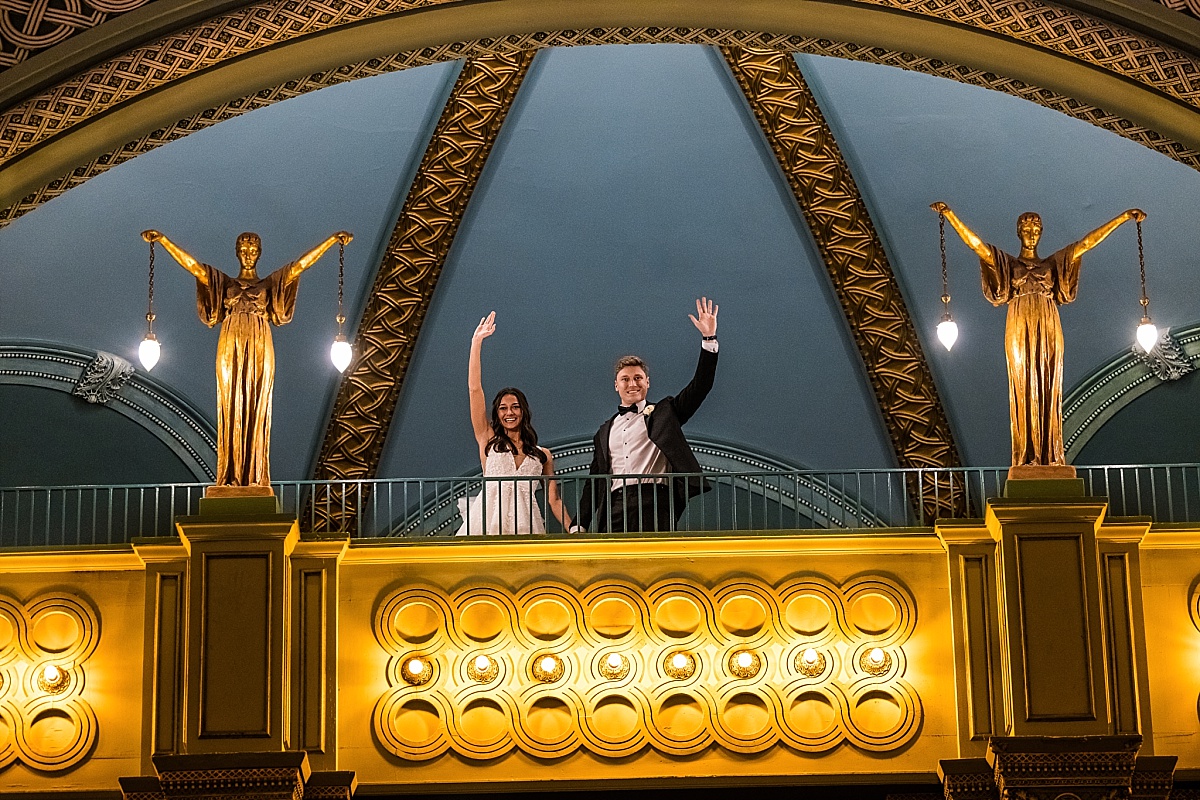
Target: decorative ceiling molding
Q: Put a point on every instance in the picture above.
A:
(237, 54)
(411, 265)
(1100, 396)
(821, 182)
(28, 27)
(140, 398)
(515, 44)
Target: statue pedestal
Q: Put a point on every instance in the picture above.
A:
(1041, 472)
(241, 646)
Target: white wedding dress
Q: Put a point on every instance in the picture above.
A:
(504, 508)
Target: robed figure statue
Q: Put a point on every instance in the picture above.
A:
(1033, 288)
(245, 307)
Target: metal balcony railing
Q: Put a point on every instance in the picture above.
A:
(807, 500)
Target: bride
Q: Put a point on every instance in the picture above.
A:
(508, 448)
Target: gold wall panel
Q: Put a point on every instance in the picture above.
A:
(858, 267)
(412, 263)
(28, 27)
(596, 668)
(46, 724)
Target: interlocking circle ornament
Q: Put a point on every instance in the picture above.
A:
(614, 667)
(44, 646)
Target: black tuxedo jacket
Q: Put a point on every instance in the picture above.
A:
(665, 427)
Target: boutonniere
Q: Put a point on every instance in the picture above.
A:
(646, 411)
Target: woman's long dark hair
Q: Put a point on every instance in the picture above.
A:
(500, 441)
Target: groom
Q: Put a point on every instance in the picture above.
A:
(647, 440)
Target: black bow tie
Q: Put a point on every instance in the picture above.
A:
(626, 409)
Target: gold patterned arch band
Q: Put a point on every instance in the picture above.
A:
(1141, 86)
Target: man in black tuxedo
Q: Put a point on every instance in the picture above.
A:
(646, 440)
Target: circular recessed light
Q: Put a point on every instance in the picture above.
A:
(614, 667)
(875, 661)
(744, 664)
(53, 680)
(548, 668)
(680, 664)
(810, 663)
(417, 671)
(483, 669)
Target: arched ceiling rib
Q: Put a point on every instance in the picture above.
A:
(858, 266)
(412, 263)
(1127, 78)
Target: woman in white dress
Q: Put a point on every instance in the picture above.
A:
(508, 448)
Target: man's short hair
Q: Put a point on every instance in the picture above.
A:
(630, 361)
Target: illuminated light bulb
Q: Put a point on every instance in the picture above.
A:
(679, 661)
(1147, 335)
(809, 656)
(149, 351)
(876, 656)
(340, 353)
(744, 660)
(482, 663)
(548, 664)
(416, 666)
(51, 674)
(947, 332)
(614, 660)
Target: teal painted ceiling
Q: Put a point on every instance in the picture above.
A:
(626, 181)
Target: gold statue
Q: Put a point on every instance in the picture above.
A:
(1033, 288)
(244, 306)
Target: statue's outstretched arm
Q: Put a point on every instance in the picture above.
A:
(966, 234)
(179, 254)
(308, 259)
(1100, 234)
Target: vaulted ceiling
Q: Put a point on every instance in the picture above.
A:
(587, 193)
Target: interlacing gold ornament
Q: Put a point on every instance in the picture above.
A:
(44, 721)
(614, 668)
(517, 43)
(179, 55)
(29, 26)
(858, 266)
(408, 275)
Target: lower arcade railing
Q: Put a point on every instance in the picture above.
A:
(443, 508)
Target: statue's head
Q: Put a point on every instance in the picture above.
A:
(249, 248)
(1029, 229)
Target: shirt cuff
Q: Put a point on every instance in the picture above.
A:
(710, 346)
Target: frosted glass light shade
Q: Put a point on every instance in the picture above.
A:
(149, 351)
(947, 332)
(1147, 335)
(341, 353)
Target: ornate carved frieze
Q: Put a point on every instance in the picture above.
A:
(412, 263)
(853, 254)
(29, 26)
(517, 43)
(1047, 768)
(614, 668)
(102, 378)
(1166, 359)
(45, 721)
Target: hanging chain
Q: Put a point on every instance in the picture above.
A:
(1145, 301)
(150, 303)
(945, 276)
(341, 317)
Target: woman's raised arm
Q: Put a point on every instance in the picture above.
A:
(179, 254)
(479, 417)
